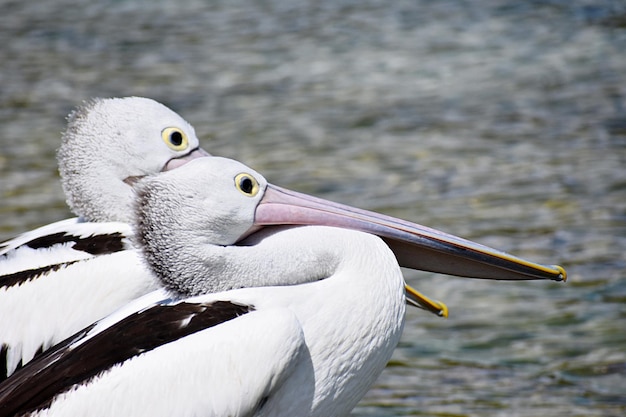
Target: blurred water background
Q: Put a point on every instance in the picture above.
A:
(503, 122)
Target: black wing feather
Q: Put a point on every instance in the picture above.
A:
(96, 244)
(34, 386)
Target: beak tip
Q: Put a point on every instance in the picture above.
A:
(443, 312)
(419, 300)
(562, 273)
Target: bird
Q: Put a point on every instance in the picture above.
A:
(273, 303)
(61, 277)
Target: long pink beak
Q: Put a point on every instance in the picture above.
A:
(415, 246)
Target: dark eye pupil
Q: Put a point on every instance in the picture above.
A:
(176, 138)
(246, 185)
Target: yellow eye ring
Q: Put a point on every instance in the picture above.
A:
(175, 138)
(247, 184)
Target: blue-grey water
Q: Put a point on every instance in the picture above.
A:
(500, 121)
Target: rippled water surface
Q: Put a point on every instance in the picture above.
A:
(503, 122)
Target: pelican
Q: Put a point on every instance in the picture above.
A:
(274, 303)
(59, 278)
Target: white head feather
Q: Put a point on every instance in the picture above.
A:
(188, 218)
(108, 144)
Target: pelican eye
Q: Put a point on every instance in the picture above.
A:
(247, 184)
(175, 138)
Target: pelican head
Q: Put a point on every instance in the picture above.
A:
(110, 143)
(220, 202)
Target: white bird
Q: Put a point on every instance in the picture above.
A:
(59, 278)
(257, 320)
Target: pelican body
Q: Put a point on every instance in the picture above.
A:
(264, 311)
(59, 278)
